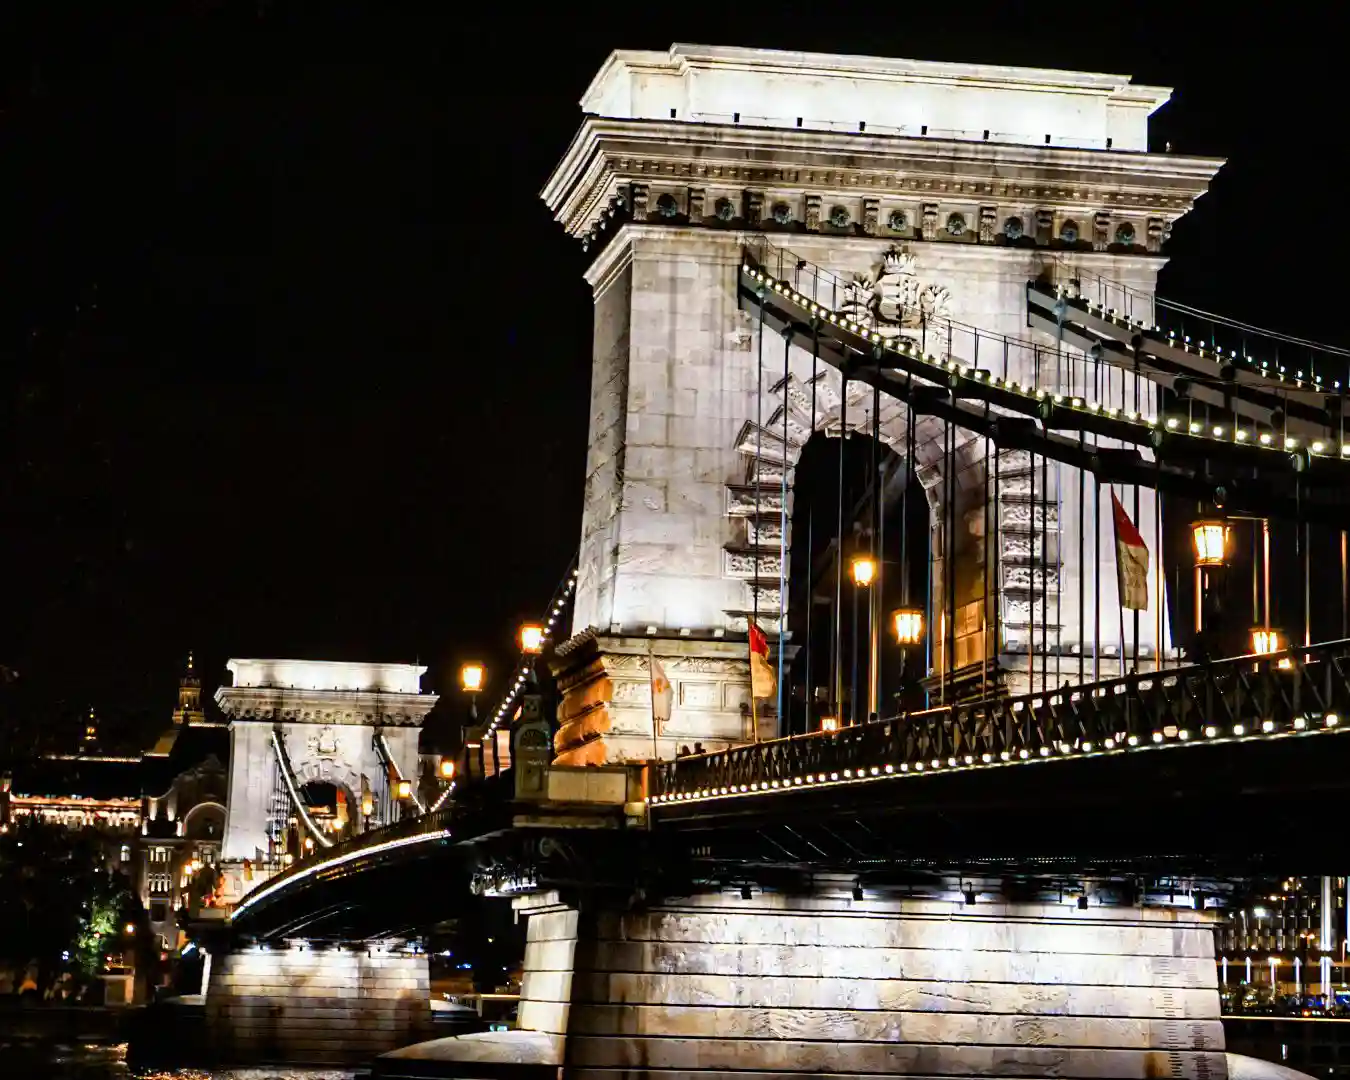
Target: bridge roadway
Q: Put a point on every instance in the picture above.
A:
(1147, 774)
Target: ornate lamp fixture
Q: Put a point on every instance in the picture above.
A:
(864, 570)
(532, 638)
(908, 623)
(1211, 542)
(471, 678)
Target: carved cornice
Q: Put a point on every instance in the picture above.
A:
(607, 154)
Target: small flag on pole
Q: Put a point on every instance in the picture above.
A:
(663, 695)
(1131, 560)
(762, 681)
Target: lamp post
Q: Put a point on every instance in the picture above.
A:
(471, 679)
(532, 639)
(863, 570)
(1210, 537)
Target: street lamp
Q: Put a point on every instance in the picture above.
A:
(532, 638)
(829, 723)
(1266, 640)
(471, 678)
(447, 769)
(908, 625)
(864, 570)
(1211, 542)
(405, 789)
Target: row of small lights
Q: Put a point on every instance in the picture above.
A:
(1215, 354)
(969, 761)
(503, 711)
(336, 860)
(1172, 423)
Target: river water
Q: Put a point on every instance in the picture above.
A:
(54, 1061)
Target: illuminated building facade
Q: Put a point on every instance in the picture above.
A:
(160, 815)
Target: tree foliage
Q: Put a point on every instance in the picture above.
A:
(60, 907)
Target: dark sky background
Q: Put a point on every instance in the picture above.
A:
(295, 362)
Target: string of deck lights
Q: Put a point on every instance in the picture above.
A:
(560, 597)
(1217, 432)
(966, 762)
(1214, 353)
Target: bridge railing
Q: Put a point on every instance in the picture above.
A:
(1271, 695)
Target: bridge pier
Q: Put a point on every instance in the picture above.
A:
(297, 1003)
(816, 982)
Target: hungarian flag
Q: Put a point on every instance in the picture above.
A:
(663, 695)
(1131, 560)
(762, 682)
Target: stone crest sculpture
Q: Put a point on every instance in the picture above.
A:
(893, 300)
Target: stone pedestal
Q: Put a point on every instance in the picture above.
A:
(606, 710)
(319, 1006)
(822, 984)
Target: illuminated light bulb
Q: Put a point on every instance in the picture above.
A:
(986, 758)
(1218, 431)
(1238, 729)
(904, 767)
(1045, 751)
(1171, 423)
(1133, 740)
(1345, 449)
(1211, 731)
(1240, 435)
(1290, 443)
(1005, 756)
(1157, 736)
(1332, 719)
(1087, 747)
(1184, 734)
(1318, 446)
(1268, 726)
(918, 766)
(1195, 428)
(890, 769)
(1265, 438)
(1300, 723)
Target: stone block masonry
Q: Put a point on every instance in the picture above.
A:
(319, 1006)
(820, 984)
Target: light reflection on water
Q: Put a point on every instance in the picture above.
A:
(89, 1061)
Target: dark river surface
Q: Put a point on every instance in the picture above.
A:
(88, 1061)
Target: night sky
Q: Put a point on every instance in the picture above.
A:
(295, 362)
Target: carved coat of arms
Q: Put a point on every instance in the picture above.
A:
(892, 300)
(323, 743)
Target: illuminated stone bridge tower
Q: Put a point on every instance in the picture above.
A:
(950, 184)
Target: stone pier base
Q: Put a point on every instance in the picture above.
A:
(822, 984)
(319, 1006)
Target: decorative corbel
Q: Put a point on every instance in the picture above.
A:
(1101, 230)
(871, 216)
(929, 227)
(1045, 221)
(813, 213)
(988, 226)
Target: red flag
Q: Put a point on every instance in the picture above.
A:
(762, 682)
(1131, 560)
(663, 695)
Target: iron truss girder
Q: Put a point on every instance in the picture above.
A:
(1256, 480)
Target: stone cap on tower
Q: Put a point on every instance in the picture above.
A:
(327, 675)
(771, 88)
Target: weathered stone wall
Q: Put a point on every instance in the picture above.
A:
(820, 985)
(329, 1006)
